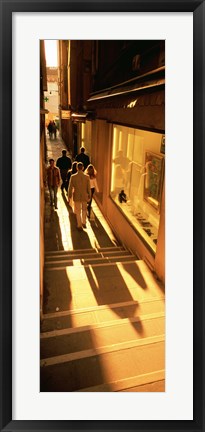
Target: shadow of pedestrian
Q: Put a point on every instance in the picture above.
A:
(133, 270)
(65, 199)
(100, 233)
(80, 239)
(52, 230)
(110, 288)
(57, 291)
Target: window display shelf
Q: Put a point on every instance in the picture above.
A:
(141, 222)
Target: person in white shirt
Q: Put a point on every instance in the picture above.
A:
(79, 189)
(91, 172)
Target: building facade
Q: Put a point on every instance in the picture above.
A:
(51, 97)
(115, 95)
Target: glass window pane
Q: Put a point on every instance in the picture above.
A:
(137, 178)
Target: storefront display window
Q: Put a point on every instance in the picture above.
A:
(85, 137)
(137, 178)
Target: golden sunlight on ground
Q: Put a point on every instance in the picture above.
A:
(64, 211)
(103, 326)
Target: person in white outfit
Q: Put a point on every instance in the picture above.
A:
(79, 189)
(91, 172)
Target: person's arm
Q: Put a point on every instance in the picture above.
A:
(58, 177)
(88, 189)
(96, 185)
(70, 188)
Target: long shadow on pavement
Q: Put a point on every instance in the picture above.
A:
(52, 231)
(100, 233)
(80, 239)
(74, 375)
(109, 287)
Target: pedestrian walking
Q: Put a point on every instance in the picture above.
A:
(53, 182)
(50, 129)
(91, 172)
(82, 157)
(64, 163)
(54, 129)
(79, 189)
(71, 171)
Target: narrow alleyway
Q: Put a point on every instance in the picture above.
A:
(103, 311)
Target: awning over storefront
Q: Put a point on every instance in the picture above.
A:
(128, 100)
(105, 98)
(139, 102)
(142, 83)
(78, 118)
(82, 117)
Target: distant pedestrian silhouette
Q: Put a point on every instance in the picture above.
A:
(53, 181)
(82, 157)
(50, 129)
(64, 163)
(54, 129)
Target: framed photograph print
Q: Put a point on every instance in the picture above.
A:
(102, 296)
(153, 180)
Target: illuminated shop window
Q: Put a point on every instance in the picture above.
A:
(137, 178)
(85, 139)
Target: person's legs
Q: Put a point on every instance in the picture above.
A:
(77, 211)
(84, 212)
(50, 188)
(89, 207)
(63, 178)
(90, 202)
(55, 189)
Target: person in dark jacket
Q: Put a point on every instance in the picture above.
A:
(50, 129)
(82, 157)
(54, 129)
(64, 163)
(53, 181)
(71, 171)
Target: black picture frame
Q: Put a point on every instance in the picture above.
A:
(7, 8)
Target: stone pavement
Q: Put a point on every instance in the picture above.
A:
(103, 309)
(60, 225)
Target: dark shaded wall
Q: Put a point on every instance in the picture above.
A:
(119, 61)
(43, 87)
